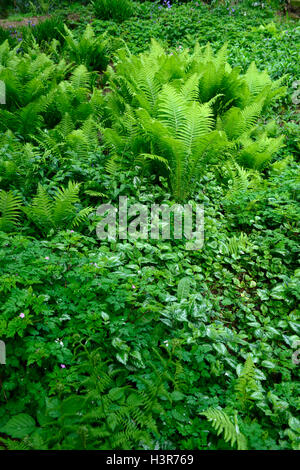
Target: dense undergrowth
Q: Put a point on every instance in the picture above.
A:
(142, 344)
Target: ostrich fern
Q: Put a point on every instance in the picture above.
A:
(9, 210)
(181, 134)
(17, 162)
(222, 423)
(103, 415)
(57, 213)
(37, 96)
(89, 50)
(30, 81)
(65, 139)
(186, 112)
(246, 383)
(203, 74)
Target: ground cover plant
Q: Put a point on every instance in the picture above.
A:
(139, 343)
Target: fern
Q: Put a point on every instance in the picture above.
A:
(89, 50)
(11, 444)
(30, 80)
(104, 415)
(241, 181)
(235, 245)
(223, 425)
(57, 213)
(246, 383)
(188, 111)
(64, 140)
(9, 210)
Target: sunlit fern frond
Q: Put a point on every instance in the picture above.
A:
(171, 109)
(222, 423)
(80, 77)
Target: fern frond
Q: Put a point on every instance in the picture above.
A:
(9, 210)
(246, 382)
(150, 156)
(40, 210)
(80, 78)
(81, 216)
(171, 109)
(223, 425)
(63, 205)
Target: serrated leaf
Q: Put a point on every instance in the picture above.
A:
(19, 426)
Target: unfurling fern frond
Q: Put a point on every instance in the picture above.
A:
(222, 423)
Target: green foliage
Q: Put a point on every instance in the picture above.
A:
(16, 162)
(183, 288)
(104, 415)
(9, 210)
(246, 383)
(222, 424)
(118, 10)
(19, 426)
(5, 36)
(29, 80)
(191, 110)
(59, 212)
(89, 50)
(132, 344)
(42, 32)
